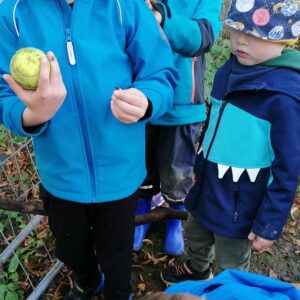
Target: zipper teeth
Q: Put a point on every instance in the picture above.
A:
(235, 214)
(80, 111)
(224, 103)
(193, 79)
(85, 136)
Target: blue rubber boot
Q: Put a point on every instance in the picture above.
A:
(143, 206)
(174, 243)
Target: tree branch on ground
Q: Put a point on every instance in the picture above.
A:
(154, 216)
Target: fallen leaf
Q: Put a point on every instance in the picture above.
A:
(272, 274)
(268, 250)
(141, 287)
(296, 284)
(290, 229)
(293, 212)
(171, 262)
(147, 241)
(142, 279)
(43, 234)
(296, 242)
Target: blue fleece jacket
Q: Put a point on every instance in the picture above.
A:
(191, 26)
(84, 153)
(248, 171)
(237, 285)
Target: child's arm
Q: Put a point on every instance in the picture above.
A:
(16, 109)
(191, 36)
(285, 139)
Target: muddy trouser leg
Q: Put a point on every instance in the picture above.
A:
(74, 245)
(113, 233)
(231, 253)
(176, 157)
(170, 158)
(200, 245)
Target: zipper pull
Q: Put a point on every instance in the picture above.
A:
(70, 48)
(235, 217)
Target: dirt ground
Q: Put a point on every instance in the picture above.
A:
(282, 261)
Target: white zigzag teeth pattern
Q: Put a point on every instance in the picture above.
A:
(200, 150)
(253, 174)
(237, 172)
(222, 169)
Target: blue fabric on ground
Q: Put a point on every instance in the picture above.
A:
(234, 284)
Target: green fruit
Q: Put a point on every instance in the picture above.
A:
(25, 67)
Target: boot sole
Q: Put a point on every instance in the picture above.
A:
(168, 283)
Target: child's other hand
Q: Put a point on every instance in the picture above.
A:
(148, 2)
(128, 106)
(156, 13)
(258, 242)
(194, 178)
(44, 102)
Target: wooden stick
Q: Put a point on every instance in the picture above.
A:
(154, 216)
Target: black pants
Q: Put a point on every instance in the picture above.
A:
(91, 234)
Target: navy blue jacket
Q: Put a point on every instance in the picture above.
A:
(248, 170)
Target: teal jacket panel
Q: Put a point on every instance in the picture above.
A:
(191, 28)
(255, 151)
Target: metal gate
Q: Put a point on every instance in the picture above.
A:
(27, 262)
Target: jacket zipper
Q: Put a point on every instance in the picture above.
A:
(235, 213)
(79, 106)
(193, 79)
(224, 103)
(221, 111)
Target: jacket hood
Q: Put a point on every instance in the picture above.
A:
(281, 74)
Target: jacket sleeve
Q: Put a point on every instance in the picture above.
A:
(192, 36)
(274, 210)
(153, 68)
(11, 107)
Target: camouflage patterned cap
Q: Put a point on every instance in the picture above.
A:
(276, 21)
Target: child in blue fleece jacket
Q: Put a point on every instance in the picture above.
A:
(191, 27)
(88, 136)
(247, 171)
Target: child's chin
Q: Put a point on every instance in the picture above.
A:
(246, 62)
